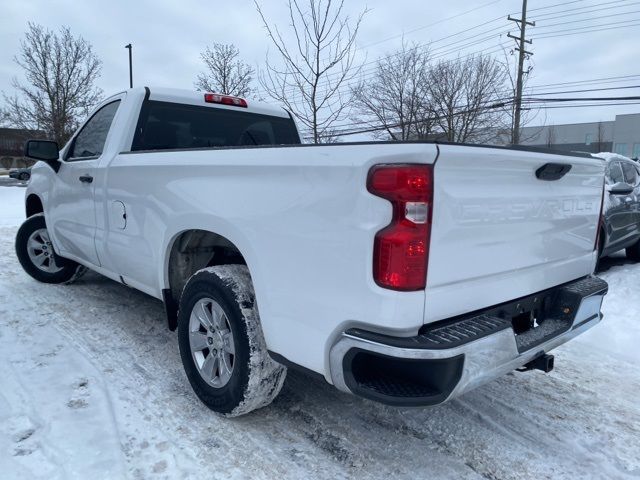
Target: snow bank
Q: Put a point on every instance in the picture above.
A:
(11, 206)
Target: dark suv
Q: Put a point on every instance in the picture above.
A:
(621, 209)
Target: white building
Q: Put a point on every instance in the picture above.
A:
(621, 135)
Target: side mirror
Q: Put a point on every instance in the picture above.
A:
(45, 150)
(620, 188)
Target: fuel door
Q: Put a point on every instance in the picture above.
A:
(118, 215)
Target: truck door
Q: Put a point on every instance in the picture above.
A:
(72, 216)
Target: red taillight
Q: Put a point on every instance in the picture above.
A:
(225, 100)
(401, 249)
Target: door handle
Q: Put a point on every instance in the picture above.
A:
(86, 178)
(552, 171)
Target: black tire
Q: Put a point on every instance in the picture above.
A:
(633, 252)
(68, 270)
(24, 177)
(255, 379)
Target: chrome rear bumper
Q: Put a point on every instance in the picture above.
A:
(452, 357)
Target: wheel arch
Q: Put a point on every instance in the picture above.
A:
(33, 205)
(188, 251)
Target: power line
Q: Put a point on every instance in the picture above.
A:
(594, 26)
(347, 129)
(597, 81)
(561, 4)
(590, 90)
(580, 99)
(438, 23)
(585, 31)
(584, 10)
(445, 50)
(604, 80)
(616, 104)
(373, 63)
(346, 132)
(586, 20)
(478, 38)
(441, 53)
(500, 102)
(444, 20)
(507, 99)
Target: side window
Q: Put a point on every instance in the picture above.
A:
(90, 141)
(630, 173)
(614, 173)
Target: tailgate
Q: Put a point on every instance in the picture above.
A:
(500, 233)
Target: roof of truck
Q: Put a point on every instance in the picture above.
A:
(191, 97)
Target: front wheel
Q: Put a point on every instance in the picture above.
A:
(37, 257)
(221, 343)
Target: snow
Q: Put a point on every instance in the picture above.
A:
(608, 156)
(11, 206)
(91, 386)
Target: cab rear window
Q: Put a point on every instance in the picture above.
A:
(165, 125)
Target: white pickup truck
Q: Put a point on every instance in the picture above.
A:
(406, 273)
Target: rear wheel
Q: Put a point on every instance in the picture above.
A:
(37, 257)
(221, 343)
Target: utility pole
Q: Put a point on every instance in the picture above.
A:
(130, 66)
(521, 41)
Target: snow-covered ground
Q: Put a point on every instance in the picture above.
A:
(91, 386)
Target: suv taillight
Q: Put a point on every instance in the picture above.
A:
(401, 249)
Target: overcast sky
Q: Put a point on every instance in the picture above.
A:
(168, 36)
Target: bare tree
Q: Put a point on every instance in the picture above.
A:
(315, 65)
(331, 135)
(60, 71)
(226, 73)
(396, 97)
(466, 96)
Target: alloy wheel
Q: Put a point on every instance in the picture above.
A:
(211, 342)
